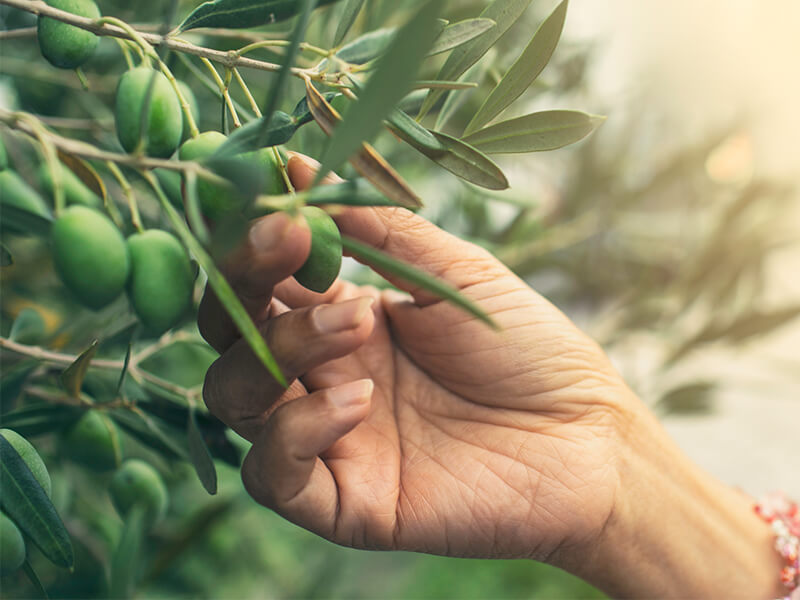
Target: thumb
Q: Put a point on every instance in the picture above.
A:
(409, 238)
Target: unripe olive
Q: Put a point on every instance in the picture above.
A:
(66, 46)
(15, 192)
(267, 162)
(28, 453)
(162, 280)
(215, 200)
(90, 255)
(93, 441)
(75, 191)
(164, 123)
(325, 259)
(12, 546)
(136, 482)
(170, 182)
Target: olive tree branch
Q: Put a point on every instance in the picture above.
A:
(228, 59)
(20, 122)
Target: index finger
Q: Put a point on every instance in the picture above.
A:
(276, 246)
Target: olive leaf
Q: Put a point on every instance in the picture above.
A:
(200, 456)
(22, 220)
(504, 13)
(252, 135)
(143, 428)
(454, 102)
(524, 71)
(688, 398)
(86, 173)
(13, 379)
(391, 81)
(367, 162)
(6, 259)
(410, 129)
(387, 264)
(134, 335)
(546, 130)
(72, 377)
(29, 327)
(460, 33)
(346, 20)
(25, 501)
(40, 418)
(459, 158)
(278, 88)
(220, 285)
(355, 192)
(365, 48)
(240, 14)
(302, 113)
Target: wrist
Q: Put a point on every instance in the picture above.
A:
(677, 532)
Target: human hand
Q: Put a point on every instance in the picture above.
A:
(410, 425)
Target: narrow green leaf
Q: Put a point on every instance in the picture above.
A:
(249, 137)
(13, 379)
(385, 263)
(41, 418)
(302, 113)
(147, 431)
(125, 562)
(5, 256)
(241, 14)
(430, 84)
(546, 130)
(200, 456)
(34, 579)
(453, 102)
(21, 220)
(410, 128)
(346, 20)
(26, 502)
(366, 47)
(72, 377)
(134, 334)
(356, 192)
(504, 13)
(391, 81)
(524, 71)
(29, 327)
(460, 33)
(221, 287)
(461, 160)
(688, 398)
(278, 88)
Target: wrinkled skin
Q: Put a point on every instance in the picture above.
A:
(473, 442)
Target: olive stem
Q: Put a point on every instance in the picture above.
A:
(82, 78)
(133, 206)
(207, 83)
(246, 90)
(284, 170)
(51, 158)
(229, 101)
(150, 51)
(281, 44)
(221, 85)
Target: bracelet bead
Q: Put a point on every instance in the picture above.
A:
(783, 515)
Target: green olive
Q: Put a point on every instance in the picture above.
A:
(170, 182)
(15, 192)
(12, 546)
(90, 256)
(325, 259)
(66, 46)
(136, 482)
(269, 167)
(75, 191)
(28, 453)
(215, 200)
(93, 441)
(164, 123)
(162, 280)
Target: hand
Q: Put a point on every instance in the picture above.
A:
(408, 424)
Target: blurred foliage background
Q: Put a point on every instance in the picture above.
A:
(657, 242)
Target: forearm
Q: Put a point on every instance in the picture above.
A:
(677, 532)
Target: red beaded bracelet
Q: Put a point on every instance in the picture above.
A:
(784, 517)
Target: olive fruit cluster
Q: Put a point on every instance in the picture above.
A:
(96, 263)
(12, 546)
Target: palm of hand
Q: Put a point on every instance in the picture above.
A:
(496, 443)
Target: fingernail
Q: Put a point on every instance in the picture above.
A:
(269, 232)
(351, 394)
(333, 318)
